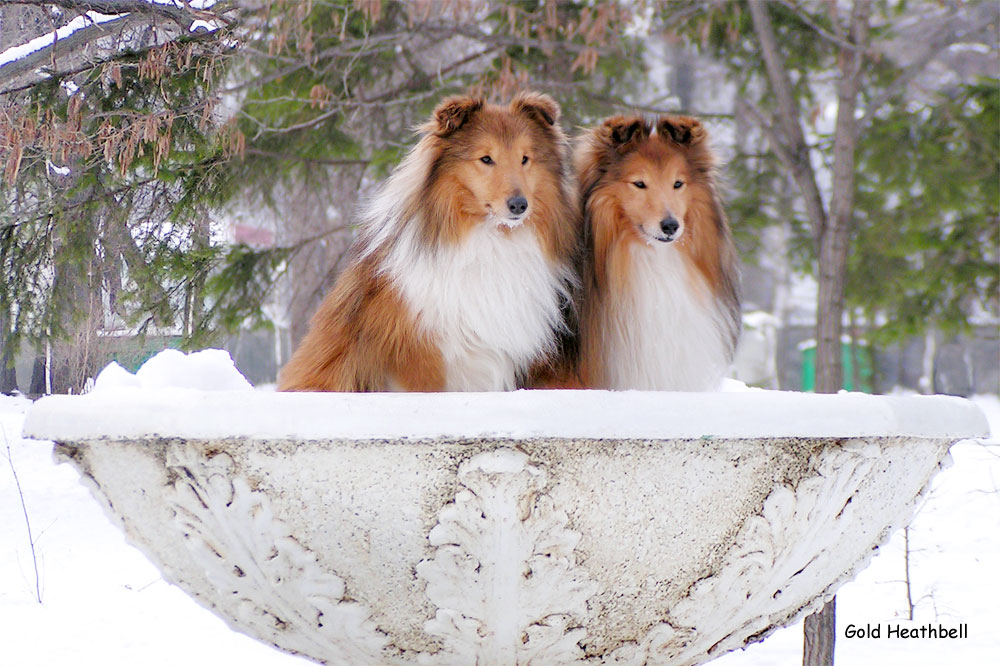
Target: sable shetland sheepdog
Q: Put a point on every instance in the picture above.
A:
(463, 268)
(660, 306)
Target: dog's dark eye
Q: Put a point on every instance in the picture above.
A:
(678, 184)
(486, 159)
(641, 185)
(524, 160)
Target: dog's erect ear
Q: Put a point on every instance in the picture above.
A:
(453, 112)
(623, 132)
(537, 106)
(682, 129)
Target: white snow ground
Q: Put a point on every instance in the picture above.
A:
(104, 604)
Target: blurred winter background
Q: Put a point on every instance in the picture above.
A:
(184, 174)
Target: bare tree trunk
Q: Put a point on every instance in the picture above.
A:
(38, 372)
(8, 373)
(781, 123)
(835, 234)
(819, 635)
(318, 214)
(786, 134)
(856, 351)
(193, 296)
(926, 382)
(820, 629)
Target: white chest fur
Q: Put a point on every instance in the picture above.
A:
(491, 302)
(665, 331)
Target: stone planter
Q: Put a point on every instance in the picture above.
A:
(547, 527)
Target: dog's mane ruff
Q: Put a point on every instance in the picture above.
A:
(717, 260)
(568, 245)
(396, 203)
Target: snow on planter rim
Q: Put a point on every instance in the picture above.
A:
(195, 414)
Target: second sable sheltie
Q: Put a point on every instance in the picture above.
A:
(463, 270)
(661, 308)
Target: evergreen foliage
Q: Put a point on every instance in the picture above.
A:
(101, 206)
(928, 224)
(923, 249)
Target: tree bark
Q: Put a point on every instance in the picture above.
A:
(835, 236)
(8, 373)
(787, 128)
(70, 48)
(820, 631)
(926, 382)
(37, 385)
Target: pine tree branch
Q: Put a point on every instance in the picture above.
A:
(617, 102)
(182, 15)
(91, 64)
(128, 13)
(777, 144)
(500, 40)
(777, 74)
(410, 85)
(59, 48)
(909, 73)
(816, 27)
(307, 160)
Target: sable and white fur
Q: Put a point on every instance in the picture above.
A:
(660, 306)
(453, 286)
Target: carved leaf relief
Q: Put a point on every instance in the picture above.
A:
(504, 575)
(771, 557)
(271, 584)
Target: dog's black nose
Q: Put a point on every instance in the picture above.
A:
(669, 226)
(517, 205)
